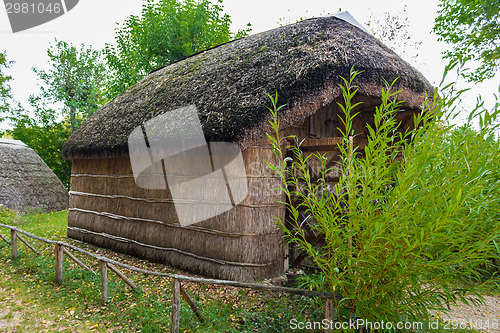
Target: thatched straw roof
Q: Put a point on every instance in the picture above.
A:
(26, 182)
(228, 83)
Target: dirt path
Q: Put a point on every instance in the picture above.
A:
(9, 316)
(484, 317)
(23, 311)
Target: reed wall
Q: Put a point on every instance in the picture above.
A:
(108, 209)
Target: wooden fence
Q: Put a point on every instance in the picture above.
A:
(61, 248)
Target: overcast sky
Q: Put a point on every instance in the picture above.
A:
(93, 22)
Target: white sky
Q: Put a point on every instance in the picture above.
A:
(93, 21)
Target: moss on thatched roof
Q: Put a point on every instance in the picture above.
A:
(228, 85)
(26, 182)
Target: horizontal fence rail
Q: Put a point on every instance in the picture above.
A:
(178, 289)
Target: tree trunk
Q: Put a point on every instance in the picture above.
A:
(72, 118)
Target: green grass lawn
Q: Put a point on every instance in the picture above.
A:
(32, 301)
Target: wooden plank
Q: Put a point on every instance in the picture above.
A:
(176, 306)
(48, 241)
(324, 144)
(191, 304)
(13, 242)
(123, 277)
(103, 266)
(328, 144)
(4, 238)
(72, 257)
(27, 244)
(59, 263)
(256, 286)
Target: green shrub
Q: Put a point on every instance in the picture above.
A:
(412, 218)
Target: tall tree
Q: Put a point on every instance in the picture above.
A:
(75, 78)
(42, 131)
(166, 31)
(5, 93)
(473, 29)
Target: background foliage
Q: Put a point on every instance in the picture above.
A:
(167, 31)
(473, 30)
(5, 93)
(43, 132)
(75, 79)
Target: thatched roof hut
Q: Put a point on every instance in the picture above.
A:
(26, 182)
(228, 86)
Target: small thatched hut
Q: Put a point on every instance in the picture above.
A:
(26, 182)
(228, 86)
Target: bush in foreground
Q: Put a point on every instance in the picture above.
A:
(412, 218)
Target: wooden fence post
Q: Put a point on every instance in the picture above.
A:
(329, 309)
(13, 242)
(176, 306)
(59, 263)
(104, 281)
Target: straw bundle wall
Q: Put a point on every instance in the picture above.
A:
(109, 210)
